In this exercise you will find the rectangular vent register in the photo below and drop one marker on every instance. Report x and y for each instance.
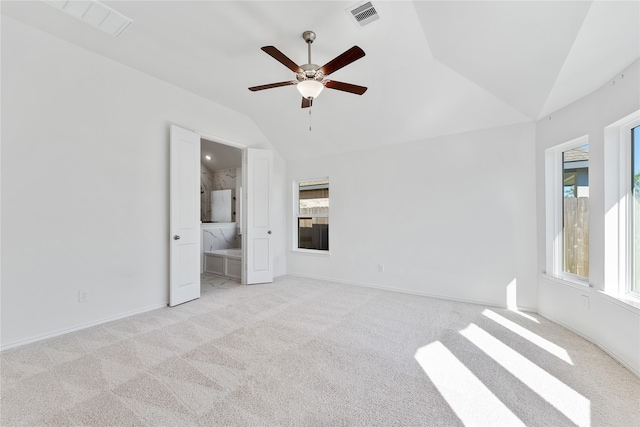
(363, 13)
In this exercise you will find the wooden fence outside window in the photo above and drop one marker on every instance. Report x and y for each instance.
(576, 236)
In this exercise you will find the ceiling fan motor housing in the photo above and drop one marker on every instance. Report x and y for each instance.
(310, 72)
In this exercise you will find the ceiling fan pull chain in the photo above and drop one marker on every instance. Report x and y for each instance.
(309, 119)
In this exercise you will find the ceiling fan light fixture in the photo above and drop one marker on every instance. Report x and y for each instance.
(310, 89)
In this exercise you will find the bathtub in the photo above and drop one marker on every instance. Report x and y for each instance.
(224, 262)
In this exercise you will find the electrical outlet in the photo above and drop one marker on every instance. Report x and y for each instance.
(83, 296)
(381, 268)
(585, 301)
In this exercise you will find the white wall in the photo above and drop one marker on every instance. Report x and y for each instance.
(96, 132)
(451, 216)
(611, 324)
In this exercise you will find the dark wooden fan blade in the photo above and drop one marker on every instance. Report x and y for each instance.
(340, 61)
(282, 58)
(272, 85)
(346, 87)
(306, 102)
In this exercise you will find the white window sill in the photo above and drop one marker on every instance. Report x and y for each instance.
(311, 252)
(572, 282)
(628, 302)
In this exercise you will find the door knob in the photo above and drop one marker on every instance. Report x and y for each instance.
(176, 237)
(269, 232)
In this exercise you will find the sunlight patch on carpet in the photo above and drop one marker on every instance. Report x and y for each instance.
(525, 315)
(533, 338)
(572, 404)
(456, 383)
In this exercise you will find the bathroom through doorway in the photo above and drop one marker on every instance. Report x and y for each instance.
(220, 209)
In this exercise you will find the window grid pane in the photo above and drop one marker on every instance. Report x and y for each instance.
(575, 215)
(313, 233)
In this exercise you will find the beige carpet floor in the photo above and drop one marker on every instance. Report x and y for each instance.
(301, 352)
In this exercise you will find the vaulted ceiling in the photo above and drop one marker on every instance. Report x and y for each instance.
(432, 67)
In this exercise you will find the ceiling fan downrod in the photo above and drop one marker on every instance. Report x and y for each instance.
(309, 37)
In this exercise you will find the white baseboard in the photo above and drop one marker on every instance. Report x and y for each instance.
(79, 327)
(411, 292)
(595, 342)
(84, 326)
(550, 318)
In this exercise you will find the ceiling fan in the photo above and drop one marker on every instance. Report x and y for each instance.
(310, 78)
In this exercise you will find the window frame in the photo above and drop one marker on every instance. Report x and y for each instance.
(633, 146)
(297, 216)
(618, 199)
(554, 197)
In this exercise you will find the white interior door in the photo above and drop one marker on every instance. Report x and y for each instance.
(257, 248)
(184, 221)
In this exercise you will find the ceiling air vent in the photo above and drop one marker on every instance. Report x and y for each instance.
(93, 13)
(363, 13)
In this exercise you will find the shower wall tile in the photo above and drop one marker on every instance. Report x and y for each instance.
(224, 179)
(206, 186)
(221, 201)
(216, 237)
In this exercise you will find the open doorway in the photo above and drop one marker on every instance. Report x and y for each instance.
(220, 209)
(252, 214)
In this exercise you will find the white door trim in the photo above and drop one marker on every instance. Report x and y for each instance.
(231, 143)
(220, 140)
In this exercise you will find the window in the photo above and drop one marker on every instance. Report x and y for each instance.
(575, 211)
(567, 206)
(622, 209)
(635, 210)
(313, 214)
